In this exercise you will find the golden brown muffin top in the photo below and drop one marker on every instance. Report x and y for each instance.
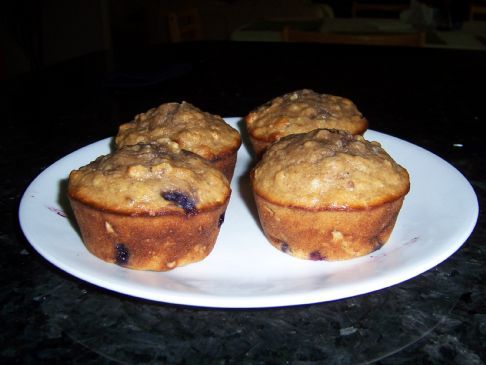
(302, 111)
(149, 179)
(328, 169)
(205, 134)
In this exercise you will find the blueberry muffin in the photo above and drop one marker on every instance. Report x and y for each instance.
(149, 206)
(205, 134)
(299, 112)
(328, 195)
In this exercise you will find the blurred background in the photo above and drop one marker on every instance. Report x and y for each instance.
(35, 33)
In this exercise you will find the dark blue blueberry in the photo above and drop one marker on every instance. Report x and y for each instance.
(221, 220)
(284, 246)
(181, 200)
(121, 254)
(316, 256)
(376, 244)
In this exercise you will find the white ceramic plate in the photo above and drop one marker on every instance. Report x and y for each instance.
(245, 271)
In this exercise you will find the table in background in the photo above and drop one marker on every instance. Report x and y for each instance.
(472, 34)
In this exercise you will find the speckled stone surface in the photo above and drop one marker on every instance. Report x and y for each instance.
(424, 96)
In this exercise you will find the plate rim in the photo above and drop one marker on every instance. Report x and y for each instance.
(241, 301)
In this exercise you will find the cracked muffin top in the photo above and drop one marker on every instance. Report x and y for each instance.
(302, 111)
(149, 179)
(328, 169)
(205, 134)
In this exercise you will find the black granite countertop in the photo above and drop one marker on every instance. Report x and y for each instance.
(432, 98)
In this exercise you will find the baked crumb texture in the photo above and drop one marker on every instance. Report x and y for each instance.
(328, 195)
(149, 206)
(205, 134)
(299, 112)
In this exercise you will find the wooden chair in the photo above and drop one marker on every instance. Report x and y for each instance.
(363, 8)
(412, 39)
(326, 11)
(185, 25)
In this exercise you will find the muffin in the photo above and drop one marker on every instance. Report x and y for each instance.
(149, 206)
(299, 112)
(328, 195)
(205, 134)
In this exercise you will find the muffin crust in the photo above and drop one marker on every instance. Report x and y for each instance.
(302, 111)
(134, 180)
(328, 169)
(205, 134)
